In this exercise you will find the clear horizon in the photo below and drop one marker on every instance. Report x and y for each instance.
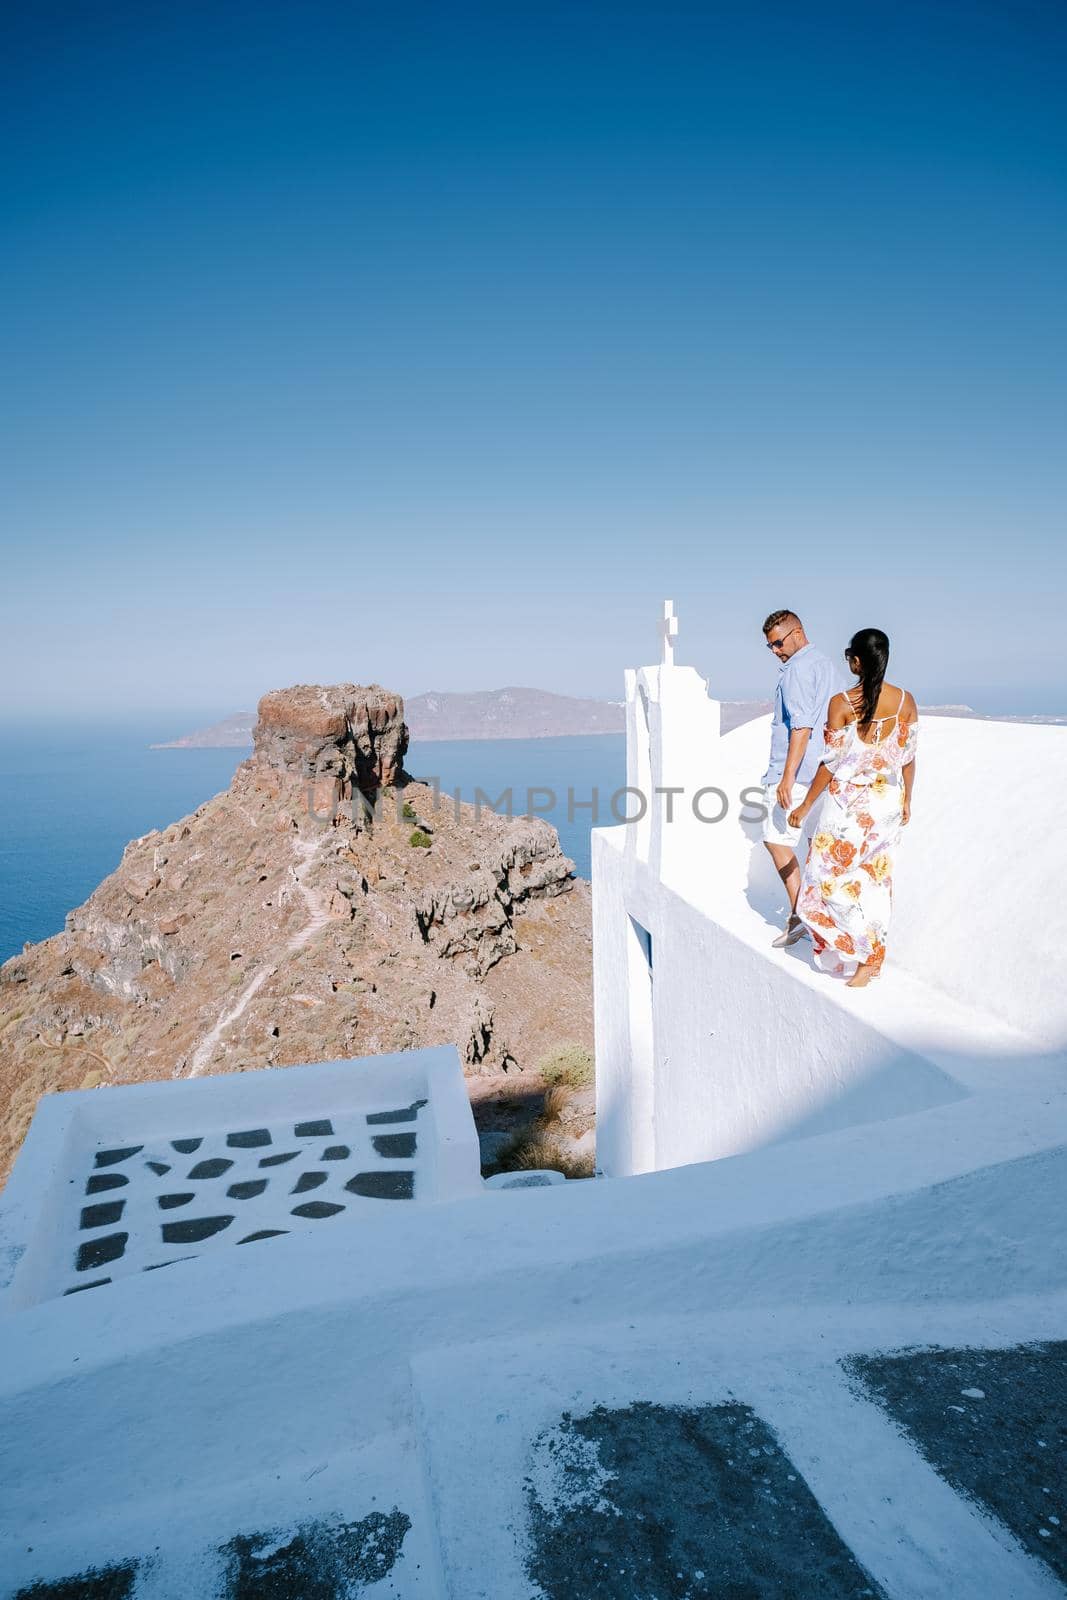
(438, 347)
(169, 722)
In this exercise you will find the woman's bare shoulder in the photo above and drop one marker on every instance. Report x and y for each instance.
(908, 708)
(839, 711)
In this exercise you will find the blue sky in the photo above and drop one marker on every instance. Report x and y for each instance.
(437, 344)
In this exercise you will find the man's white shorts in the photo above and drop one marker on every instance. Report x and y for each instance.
(776, 829)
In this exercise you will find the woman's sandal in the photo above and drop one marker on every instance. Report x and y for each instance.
(794, 929)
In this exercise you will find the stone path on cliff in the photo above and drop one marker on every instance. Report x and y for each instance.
(318, 916)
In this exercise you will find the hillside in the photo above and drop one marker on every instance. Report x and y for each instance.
(280, 923)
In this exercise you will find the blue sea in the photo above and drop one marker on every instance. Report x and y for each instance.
(71, 799)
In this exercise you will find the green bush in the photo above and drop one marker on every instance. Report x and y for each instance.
(407, 811)
(419, 839)
(571, 1064)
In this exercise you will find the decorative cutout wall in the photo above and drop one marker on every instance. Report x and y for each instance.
(113, 1183)
(141, 1207)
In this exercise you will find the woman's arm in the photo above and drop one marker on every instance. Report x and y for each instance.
(836, 717)
(911, 718)
(818, 784)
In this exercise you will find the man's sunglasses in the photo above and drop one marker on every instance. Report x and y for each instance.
(772, 644)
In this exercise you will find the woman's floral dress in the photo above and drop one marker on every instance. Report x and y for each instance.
(846, 896)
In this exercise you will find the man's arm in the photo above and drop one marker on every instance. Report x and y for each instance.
(798, 743)
(803, 701)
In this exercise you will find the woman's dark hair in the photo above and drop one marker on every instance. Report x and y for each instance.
(871, 648)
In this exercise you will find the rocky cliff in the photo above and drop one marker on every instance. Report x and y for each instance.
(322, 906)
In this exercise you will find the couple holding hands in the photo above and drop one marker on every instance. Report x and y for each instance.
(853, 750)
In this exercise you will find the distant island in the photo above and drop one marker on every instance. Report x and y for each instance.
(232, 733)
(510, 713)
(514, 713)
(1053, 719)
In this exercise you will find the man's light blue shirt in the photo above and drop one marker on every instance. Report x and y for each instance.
(807, 684)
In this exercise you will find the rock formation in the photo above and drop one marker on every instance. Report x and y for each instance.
(341, 738)
(324, 905)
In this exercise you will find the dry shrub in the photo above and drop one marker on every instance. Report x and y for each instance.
(571, 1064)
(555, 1103)
(535, 1151)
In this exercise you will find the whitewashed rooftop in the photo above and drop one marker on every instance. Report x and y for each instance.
(786, 1370)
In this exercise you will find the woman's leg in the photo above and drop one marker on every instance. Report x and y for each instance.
(877, 865)
(832, 888)
(863, 974)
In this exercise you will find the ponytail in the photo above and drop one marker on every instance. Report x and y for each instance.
(871, 648)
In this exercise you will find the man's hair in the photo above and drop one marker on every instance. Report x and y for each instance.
(777, 617)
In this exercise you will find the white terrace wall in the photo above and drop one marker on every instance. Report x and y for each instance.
(234, 1392)
(980, 886)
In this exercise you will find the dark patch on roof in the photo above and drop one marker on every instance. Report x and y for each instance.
(320, 1561)
(101, 1583)
(316, 1560)
(698, 1503)
(993, 1423)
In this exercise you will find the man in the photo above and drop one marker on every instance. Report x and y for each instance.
(805, 687)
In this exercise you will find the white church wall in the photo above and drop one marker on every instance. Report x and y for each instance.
(623, 889)
(672, 741)
(743, 1054)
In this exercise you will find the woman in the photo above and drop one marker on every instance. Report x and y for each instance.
(846, 894)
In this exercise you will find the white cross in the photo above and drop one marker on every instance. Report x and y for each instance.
(669, 630)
